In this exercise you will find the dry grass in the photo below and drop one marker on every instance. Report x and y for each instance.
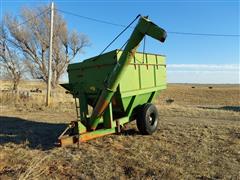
(25, 99)
(201, 95)
(198, 138)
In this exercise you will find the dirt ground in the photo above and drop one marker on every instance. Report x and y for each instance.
(198, 138)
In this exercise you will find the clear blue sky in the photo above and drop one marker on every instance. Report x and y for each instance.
(220, 17)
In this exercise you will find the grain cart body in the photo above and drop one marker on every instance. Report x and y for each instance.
(93, 83)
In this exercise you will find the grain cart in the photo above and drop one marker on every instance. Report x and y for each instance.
(119, 86)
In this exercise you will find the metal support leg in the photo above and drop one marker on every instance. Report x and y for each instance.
(108, 117)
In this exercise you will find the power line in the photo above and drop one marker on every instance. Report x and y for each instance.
(203, 34)
(92, 19)
(28, 20)
(119, 35)
(105, 22)
(170, 32)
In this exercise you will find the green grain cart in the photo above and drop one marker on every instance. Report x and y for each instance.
(115, 88)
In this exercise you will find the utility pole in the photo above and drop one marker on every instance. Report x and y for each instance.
(48, 100)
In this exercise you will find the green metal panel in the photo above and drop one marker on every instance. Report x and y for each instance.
(138, 100)
(147, 76)
(130, 80)
(140, 74)
(143, 75)
(92, 72)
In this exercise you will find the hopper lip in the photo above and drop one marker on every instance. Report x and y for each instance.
(115, 50)
(139, 52)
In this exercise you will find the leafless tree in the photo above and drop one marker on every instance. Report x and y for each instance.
(32, 39)
(10, 61)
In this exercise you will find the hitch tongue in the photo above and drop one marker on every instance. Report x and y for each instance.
(66, 138)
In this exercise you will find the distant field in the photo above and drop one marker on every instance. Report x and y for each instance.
(198, 138)
(206, 95)
(182, 94)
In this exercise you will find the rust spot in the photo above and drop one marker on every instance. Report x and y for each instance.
(70, 140)
(133, 52)
(92, 128)
(114, 102)
(100, 107)
(86, 137)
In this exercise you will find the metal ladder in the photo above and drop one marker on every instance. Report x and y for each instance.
(77, 105)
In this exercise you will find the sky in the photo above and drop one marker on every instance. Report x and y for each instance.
(190, 58)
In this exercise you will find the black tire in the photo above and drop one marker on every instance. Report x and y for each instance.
(147, 119)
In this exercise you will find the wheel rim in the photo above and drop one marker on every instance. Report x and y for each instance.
(152, 118)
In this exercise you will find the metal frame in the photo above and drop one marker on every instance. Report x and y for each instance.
(77, 130)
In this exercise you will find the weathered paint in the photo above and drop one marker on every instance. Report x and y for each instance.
(95, 134)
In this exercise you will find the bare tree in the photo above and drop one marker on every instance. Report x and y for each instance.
(10, 61)
(32, 39)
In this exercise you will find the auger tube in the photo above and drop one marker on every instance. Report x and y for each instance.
(144, 27)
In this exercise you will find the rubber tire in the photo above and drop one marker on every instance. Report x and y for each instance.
(147, 119)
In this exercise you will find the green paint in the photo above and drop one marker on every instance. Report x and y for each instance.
(122, 78)
(81, 127)
(109, 117)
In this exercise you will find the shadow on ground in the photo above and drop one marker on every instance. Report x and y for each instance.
(130, 132)
(226, 108)
(40, 135)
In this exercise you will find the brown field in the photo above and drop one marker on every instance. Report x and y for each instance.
(198, 138)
